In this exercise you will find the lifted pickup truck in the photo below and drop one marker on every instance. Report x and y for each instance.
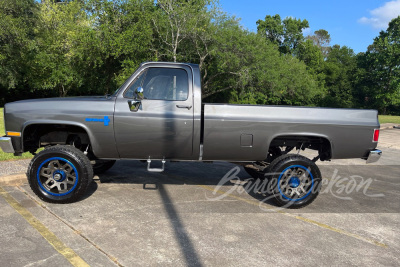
(158, 115)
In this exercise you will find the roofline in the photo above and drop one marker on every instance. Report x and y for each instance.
(169, 63)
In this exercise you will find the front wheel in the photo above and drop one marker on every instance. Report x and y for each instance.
(295, 180)
(60, 174)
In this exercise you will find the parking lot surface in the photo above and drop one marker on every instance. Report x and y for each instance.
(190, 216)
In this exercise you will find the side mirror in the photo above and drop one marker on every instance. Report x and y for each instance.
(134, 105)
(139, 93)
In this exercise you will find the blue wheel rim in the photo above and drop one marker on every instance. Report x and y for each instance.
(57, 176)
(294, 184)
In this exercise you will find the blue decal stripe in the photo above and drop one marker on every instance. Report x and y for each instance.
(106, 120)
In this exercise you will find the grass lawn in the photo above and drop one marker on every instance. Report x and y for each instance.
(389, 119)
(9, 156)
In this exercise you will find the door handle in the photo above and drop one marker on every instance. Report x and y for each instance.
(183, 106)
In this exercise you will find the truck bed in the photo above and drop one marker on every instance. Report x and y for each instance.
(244, 132)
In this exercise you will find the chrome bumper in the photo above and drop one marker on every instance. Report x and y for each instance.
(374, 156)
(6, 144)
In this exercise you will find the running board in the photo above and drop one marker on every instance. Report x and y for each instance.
(155, 169)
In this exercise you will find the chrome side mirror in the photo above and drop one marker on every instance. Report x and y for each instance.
(134, 105)
(139, 93)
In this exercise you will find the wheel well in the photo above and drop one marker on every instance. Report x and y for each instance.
(320, 144)
(41, 135)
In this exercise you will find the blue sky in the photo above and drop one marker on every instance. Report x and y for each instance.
(353, 23)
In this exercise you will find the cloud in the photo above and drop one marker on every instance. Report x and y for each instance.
(381, 16)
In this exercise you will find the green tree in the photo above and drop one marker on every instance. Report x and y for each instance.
(271, 28)
(56, 60)
(17, 21)
(89, 47)
(379, 77)
(322, 40)
(176, 21)
(287, 33)
(120, 39)
(248, 69)
(340, 68)
(311, 54)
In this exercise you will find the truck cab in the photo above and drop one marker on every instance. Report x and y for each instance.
(157, 114)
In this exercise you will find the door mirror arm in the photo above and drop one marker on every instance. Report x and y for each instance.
(139, 93)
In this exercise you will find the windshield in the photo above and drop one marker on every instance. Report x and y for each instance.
(116, 91)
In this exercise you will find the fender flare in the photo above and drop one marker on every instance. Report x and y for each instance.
(301, 134)
(81, 125)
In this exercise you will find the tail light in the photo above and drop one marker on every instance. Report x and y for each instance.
(376, 135)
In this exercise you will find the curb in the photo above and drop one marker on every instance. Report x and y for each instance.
(386, 126)
(13, 180)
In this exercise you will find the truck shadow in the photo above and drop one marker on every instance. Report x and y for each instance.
(224, 177)
(179, 173)
(217, 175)
(373, 187)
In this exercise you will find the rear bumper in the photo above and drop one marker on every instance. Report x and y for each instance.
(6, 145)
(374, 156)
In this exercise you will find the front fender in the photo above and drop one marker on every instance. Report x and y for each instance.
(102, 147)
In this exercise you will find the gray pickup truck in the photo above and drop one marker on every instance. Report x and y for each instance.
(158, 115)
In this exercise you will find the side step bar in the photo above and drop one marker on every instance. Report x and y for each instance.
(155, 169)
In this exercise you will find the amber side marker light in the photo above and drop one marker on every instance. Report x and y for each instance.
(14, 134)
(376, 135)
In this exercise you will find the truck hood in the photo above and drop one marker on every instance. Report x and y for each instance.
(54, 104)
(21, 112)
(62, 99)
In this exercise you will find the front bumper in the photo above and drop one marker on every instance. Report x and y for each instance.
(374, 156)
(6, 144)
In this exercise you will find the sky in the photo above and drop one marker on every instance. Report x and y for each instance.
(354, 23)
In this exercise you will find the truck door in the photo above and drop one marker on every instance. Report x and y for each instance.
(157, 122)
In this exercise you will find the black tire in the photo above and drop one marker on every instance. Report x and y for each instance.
(60, 174)
(102, 166)
(294, 190)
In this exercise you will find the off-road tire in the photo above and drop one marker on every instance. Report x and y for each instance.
(44, 174)
(279, 169)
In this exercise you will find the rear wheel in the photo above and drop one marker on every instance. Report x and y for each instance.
(295, 180)
(60, 174)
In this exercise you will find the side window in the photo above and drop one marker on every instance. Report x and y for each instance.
(166, 84)
(130, 92)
